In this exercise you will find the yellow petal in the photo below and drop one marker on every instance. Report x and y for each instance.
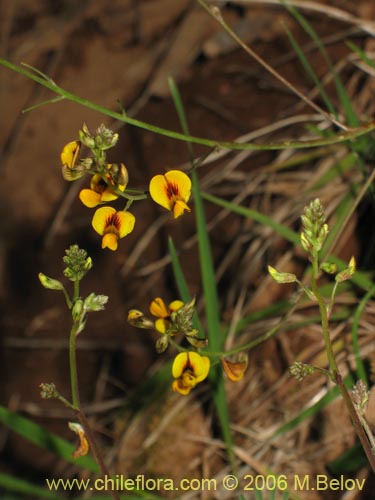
(89, 198)
(161, 325)
(176, 305)
(158, 191)
(179, 363)
(100, 218)
(158, 308)
(70, 152)
(109, 240)
(108, 195)
(179, 208)
(182, 181)
(178, 386)
(126, 222)
(200, 365)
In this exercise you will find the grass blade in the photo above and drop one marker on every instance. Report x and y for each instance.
(44, 439)
(214, 331)
(17, 485)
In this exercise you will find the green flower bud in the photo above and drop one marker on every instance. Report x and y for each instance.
(48, 391)
(347, 273)
(161, 344)
(328, 267)
(77, 310)
(301, 370)
(281, 277)
(95, 302)
(50, 283)
(86, 138)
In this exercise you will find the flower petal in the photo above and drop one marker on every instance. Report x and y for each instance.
(158, 308)
(179, 208)
(126, 221)
(90, 198)
(109, 240)
(200, 365)
(179, 364)
(176, 305)
(161, 325)
(69, 154)
(100, 218)
(183, 182)
(158, 191)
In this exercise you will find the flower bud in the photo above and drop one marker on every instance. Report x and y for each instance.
(138, 319)
(161, 344)
(95, 302)
(50, 283)
(48, 391)
(281, 277)
(86, 138)
(347, 273)
(300, 370)
(77, 310)
(328, 267)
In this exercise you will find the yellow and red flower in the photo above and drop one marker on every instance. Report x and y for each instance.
(163, 313)
(101, 191)
(171, 191)
(189, 368)
(112, 225)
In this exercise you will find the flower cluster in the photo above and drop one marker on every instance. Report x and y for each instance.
(189, 367)
(109, 181)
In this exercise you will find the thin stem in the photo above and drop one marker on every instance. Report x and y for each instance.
(322, 141)
(95, 449)
(215, 13)
(73, 365)
(336, 375)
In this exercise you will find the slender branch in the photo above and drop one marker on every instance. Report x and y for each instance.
(322, 141)
(73, 365)
(336, 375)
(216, 14)
(95, 449)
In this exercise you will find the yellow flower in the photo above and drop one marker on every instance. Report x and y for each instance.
(171, 191)
(112, 225)
(163, 313)
(69, 154)
(101, 191)
(189, 368)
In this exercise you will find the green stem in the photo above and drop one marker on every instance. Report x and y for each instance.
(336, 375)
(73, 365)
(323, 141)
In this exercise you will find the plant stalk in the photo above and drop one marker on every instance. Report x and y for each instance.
(336, 375)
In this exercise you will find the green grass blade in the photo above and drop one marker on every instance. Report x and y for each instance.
(182, 285)
(214, 332)
(343, 95)
(361, 372)
(309, 70)
(17, 485)
(44, 439)
(350, 461)
(249, 213)
(360, 279)
(330, 396)
(361, 54)
(178, 272)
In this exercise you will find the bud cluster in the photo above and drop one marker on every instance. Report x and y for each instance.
(77, 263)
(315, 229)
(300, 370)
